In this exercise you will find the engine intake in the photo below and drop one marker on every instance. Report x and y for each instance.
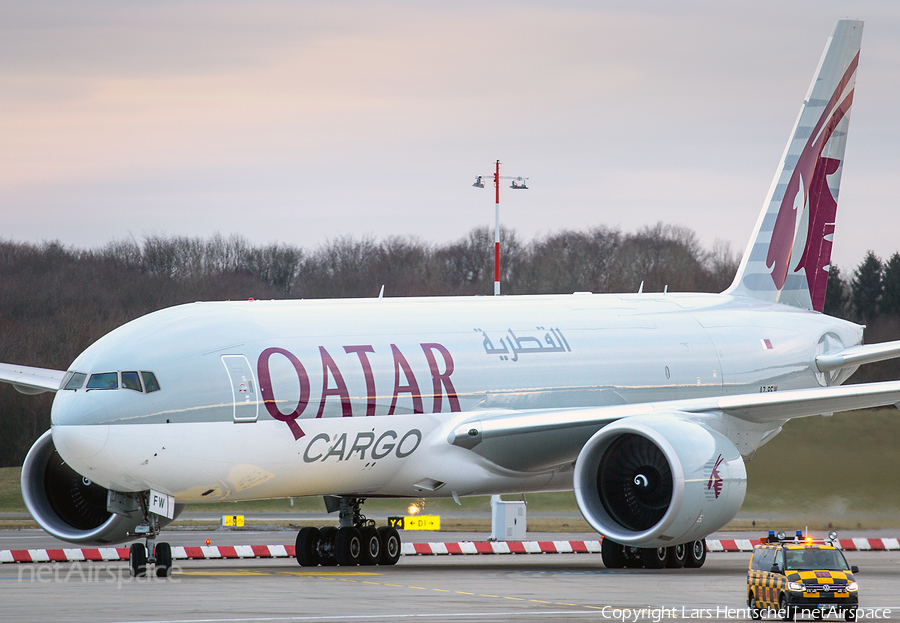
(653, 481)
(68, 505)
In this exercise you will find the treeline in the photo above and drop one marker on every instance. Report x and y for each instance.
(56, 300)
(870, 297)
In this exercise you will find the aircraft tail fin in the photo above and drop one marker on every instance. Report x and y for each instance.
(789, 254)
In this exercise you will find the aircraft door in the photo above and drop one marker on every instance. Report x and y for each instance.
(243, 387)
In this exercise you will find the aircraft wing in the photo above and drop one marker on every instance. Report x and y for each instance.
(28, 380)
(560, 433)
(858, 355)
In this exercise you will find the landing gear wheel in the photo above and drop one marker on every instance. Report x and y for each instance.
(371, 545)
(390, 545)
(696, 554)
(327, 559)
(654, 557)
(137, 560)
(348, 547)
(612, 553)
(787, 613)
(676, 556)
(163, 554)
(754, 608)
(309, 540)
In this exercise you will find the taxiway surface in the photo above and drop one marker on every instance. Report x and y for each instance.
(552, 587)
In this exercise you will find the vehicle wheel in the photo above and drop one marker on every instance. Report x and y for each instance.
(348, 546)
(390, 545)
(787, 612)
(612, 553)
(653, 557)
(371, 545)
(754, 608)
(676, 556)
(326, 549)
(696, 554)
(137, 560)
(309, 540)
(163, 554)
(850, 614)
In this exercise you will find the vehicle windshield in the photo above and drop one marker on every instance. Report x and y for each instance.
(812, 559)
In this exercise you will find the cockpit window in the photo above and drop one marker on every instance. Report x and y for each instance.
(104, 380)
(150, 383)
(74, 380)
(131, 380)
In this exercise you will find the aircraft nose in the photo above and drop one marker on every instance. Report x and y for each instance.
(79, 442)
(75, 434)
(74, 408)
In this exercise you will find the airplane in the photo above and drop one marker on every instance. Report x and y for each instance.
(647, 405)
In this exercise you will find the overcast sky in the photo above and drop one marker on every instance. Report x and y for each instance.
(304, 121)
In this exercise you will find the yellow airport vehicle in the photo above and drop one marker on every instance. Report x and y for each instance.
(801, 576)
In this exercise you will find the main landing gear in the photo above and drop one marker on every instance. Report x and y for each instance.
(157, 554)
(356, 542)
(617, 556)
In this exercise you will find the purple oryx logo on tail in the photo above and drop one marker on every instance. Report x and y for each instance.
(808, 186)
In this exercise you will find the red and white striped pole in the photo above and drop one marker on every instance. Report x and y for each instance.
(497, 232)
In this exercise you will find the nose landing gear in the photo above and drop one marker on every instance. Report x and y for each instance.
(157, 554)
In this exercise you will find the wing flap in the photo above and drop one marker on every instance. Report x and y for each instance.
(28, 380)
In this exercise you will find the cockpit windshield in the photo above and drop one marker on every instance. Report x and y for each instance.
(139, 381)
(150, 383)
(104, 380)
(131, 380)
(74, 380)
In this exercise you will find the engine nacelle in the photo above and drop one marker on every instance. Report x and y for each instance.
(654, 481)
(70, 506)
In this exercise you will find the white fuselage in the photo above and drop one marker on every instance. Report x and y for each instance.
(264, 399)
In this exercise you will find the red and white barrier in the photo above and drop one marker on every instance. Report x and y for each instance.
(407, 549)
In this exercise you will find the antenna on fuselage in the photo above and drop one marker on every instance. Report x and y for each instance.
(381, 294)
(641, 288)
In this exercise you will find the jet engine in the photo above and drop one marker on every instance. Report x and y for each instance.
(657, 481)
(70, 506)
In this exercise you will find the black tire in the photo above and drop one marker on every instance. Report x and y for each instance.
(850, 614)
(754, 608)
(696, 554)
(633, 558)
(676, 556)
(137, 560)
(326, 556)
(654, 557)
(390, 545)
(371, 545)
(612, 553)
(787, 612)
(306, 548)
(163, 554)
(348, 546)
